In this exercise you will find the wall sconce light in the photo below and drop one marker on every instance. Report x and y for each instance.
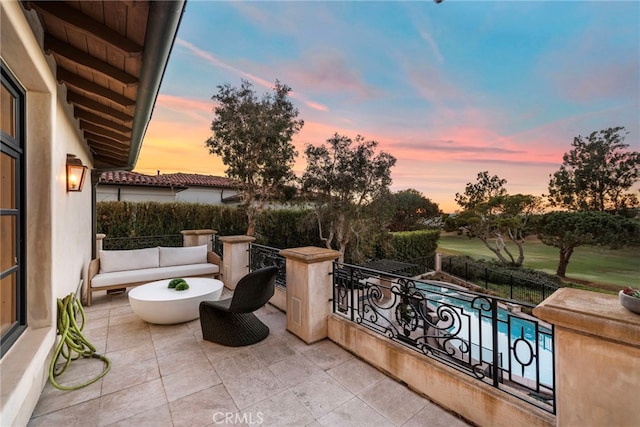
(76, 172)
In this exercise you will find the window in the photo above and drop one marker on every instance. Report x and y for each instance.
(12, 232)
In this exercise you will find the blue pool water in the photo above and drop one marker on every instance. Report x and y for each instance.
(510, 329)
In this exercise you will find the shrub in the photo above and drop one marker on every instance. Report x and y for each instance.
(481, 271)
(411, 245)
(128, 219)
(280, 228)
(287, 228)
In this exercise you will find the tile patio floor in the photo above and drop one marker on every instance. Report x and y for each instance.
(169, 376)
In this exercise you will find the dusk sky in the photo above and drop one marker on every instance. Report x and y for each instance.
(449, 89)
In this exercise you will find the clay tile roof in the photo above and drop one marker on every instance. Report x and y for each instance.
(176, 180)
(192, 179)
(134, 178)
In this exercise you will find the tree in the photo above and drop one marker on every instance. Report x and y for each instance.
(495, 217)
(484, 189)
(344, 178)
(411, 210)
(568, 230)
(501, 219)
(253, 137)
(596, 173)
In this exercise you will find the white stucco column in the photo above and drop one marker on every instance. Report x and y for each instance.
(198, 238)
(309, 290)
(235, 262)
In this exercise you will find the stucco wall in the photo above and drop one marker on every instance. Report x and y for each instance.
(109, 193)
(59, 237)
(206, 195)
(212, 196)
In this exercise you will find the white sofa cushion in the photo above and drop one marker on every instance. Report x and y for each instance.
(152, 274)
(132, 259)
(183, 255)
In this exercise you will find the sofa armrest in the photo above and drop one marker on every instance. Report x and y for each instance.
(94, 268)
(214, 258)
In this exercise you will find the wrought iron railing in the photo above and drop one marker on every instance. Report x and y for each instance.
(140, 242)
(483, 336)
(217, 245)
(263, 256)
(509, 285)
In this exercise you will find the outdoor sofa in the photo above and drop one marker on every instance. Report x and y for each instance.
(126, 268)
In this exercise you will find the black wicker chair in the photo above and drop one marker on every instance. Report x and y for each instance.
(231, 322)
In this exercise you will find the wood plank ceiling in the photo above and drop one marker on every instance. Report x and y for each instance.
(98, 50)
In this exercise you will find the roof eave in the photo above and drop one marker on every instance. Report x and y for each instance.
(162, 29)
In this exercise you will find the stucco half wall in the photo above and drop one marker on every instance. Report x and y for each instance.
(482, 404)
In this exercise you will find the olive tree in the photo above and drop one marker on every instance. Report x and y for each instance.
(344, 179)
(253, 136)
(495, 217)
(501, 220)
(569, 230)
(596, 173)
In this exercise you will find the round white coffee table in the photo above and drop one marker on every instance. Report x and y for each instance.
(156, 303)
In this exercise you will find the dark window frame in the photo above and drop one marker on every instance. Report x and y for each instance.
(15, 147)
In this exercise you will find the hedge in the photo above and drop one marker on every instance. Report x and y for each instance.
(129, 219)
(279, 228)
(410, 245)
(492, 272)
(287, 228)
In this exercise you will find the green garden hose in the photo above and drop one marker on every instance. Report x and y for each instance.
(72, 344)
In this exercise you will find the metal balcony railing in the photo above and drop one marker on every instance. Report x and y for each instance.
(486, 337)
(263, 256)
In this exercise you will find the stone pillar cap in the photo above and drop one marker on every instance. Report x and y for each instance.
(591, 313)
(310, 254)
(236, 239)
(197, 232)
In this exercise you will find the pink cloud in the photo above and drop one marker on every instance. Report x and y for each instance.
(327, 71)
(209, 57)
(315, 105)
(551, 140)
(180, 103)
(431, 83)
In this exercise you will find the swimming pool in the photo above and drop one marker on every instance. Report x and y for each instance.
(525, 348)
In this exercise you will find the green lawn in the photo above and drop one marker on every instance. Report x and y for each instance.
(589, 263)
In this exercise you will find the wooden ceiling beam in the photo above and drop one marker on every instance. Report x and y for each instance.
(89, 104)
(100, 148)
(87, 26)
(99, 130)
(104, 161)
(105, 140)
(58, 47)
(90, 117)
(110, 156)
(71, 79)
